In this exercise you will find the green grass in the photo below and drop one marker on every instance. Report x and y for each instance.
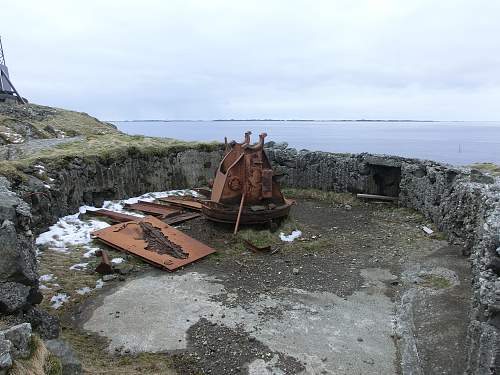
(60, 121)
(107, 148)
(491, 168)
(324, 196)
(92, 352)
(435, 282)
(40, 361)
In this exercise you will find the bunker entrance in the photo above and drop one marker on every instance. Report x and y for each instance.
(384, 180)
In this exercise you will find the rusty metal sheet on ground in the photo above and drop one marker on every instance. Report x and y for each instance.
(189, 203)
(113, 215)
(130, 237)
(154, 208)
(256, 249)
(177, 219)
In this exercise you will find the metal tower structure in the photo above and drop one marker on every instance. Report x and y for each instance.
(7, 89)
(2, 56)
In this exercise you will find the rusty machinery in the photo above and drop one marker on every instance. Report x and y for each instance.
(245, 189)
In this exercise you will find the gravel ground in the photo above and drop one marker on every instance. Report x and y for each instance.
(323, 304)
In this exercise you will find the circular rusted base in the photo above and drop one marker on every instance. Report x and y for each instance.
(229, 214)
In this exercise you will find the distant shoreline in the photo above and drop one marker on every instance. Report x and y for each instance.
(291, 120)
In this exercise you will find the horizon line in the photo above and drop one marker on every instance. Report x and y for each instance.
(294, 120)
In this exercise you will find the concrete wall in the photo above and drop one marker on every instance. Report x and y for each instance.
(462, 203)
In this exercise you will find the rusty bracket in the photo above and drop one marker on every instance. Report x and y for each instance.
(105, 267)
(256, 249)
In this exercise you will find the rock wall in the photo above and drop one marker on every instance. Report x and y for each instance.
(462, 203)
(53, 193)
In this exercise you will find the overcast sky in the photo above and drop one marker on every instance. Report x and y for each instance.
(208, 59)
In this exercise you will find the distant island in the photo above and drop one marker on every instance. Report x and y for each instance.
(284, 120)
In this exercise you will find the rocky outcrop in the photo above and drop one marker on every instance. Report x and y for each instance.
(15, 343)
(18, 274)
(59, 192)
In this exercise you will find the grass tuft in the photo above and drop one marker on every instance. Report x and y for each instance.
(490, 168)
(324, 196)
(435, 282)
(40, 361)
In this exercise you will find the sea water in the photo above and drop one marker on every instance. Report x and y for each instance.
(459, 143)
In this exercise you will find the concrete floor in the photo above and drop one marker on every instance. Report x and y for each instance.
(326, 333)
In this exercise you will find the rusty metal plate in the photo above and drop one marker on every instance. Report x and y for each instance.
(154, 208)
(177, 219)
(105, 267)
(267, 183)
(128, 237)
(113, 215)
(189, 203)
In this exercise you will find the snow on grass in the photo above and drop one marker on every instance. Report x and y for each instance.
(58, 300)
(83, 290)
(99, 284)
(68, 231)
(48, 277)
(13, 137)
(91, 252)
(78, 267)
(63, 250)
(117, 260)
(292, 236)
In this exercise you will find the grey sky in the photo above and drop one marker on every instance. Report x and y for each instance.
(258, 59)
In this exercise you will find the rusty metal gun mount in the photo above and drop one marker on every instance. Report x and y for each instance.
(245, 189)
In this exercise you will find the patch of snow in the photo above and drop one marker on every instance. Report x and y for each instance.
(39, 166)
(63, 250)
(83, 290)
(70, 230)
(91, 252)
(99, 284)
(117, 260)
(427, 230)
(292, 236)
(46, 186)
(78, 267)
(48, 277)
(58, 300)
(43, 286)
